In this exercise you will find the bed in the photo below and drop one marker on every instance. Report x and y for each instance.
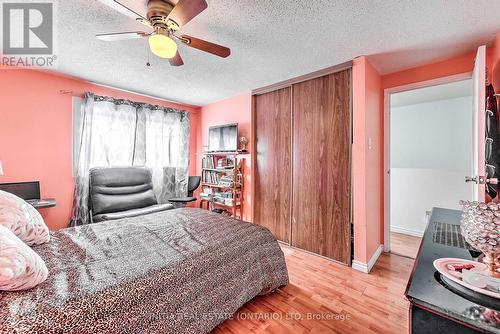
(178, 271)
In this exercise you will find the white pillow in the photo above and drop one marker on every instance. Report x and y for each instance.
(20, 267)
(22, 219)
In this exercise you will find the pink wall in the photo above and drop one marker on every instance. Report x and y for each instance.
(237, 109)
(375, 159)
(367, 160)
(36, 132)
(457, 65)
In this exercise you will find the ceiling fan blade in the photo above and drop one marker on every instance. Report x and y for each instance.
(186, 10)
(177, 60)
(121, 36)
(209, 47)
(133, 9)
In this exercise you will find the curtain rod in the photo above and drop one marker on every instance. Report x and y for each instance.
(72, 93)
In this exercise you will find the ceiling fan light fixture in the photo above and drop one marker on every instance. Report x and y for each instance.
(165, 18)
(162, 46)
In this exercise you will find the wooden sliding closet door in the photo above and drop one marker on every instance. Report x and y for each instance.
(272, 192)
(321, 165)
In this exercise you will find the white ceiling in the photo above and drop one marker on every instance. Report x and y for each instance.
(270, 41)
(434, 93)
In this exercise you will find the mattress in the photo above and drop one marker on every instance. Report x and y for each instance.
(178, 271)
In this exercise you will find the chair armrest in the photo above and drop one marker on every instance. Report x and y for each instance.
(132, 213)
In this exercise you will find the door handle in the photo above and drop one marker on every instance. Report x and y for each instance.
(470, 179)
(475, 179)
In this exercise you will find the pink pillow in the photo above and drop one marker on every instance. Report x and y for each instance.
(20, 267)
(22, 219)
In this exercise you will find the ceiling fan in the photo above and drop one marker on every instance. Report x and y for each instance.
(165, 19)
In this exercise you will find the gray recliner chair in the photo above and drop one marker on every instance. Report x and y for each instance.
(122, 192)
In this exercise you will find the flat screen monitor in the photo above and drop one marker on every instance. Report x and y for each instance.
(223, 138)
(25, 190)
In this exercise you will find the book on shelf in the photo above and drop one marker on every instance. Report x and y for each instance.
(225, 201)
(216, 178)
(214, 162)
(226, 181)
(208, 161)
(225, 198)
(206, 196)
(225, 168)
(207, 191)
(224, 194)
(211, 177)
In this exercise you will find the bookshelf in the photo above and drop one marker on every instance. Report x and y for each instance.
(222, 181)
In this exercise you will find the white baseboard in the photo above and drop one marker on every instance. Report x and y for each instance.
(409, 231)
(359, 266)
(367, 267)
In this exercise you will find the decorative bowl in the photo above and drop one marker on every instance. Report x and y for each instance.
(480, 226)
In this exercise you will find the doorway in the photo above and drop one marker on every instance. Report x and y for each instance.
(429, 145)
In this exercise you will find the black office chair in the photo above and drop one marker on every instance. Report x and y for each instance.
(193, 184)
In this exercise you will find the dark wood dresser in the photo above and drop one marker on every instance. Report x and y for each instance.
(435, 306)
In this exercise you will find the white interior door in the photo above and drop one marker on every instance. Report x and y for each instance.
(479, 115)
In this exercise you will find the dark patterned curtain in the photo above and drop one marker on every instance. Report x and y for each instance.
(126, 133)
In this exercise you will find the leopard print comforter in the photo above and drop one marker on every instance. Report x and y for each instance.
(178, 271)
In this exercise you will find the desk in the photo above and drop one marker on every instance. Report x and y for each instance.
(42, 203)
(435, 307)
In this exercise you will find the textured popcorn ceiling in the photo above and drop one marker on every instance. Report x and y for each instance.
(270, 41)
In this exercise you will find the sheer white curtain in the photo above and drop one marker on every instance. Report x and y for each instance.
(125, 133)
(163, 147)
